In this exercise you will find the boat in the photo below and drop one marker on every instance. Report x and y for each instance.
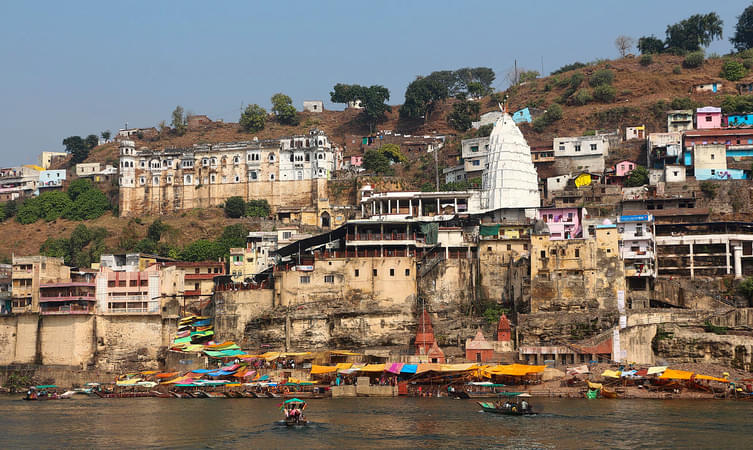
(293, 410)
(42, 392)
(77, 393)
(511, 407)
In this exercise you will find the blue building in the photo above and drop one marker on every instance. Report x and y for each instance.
(523, 115)
(50, 179)
(739, 120)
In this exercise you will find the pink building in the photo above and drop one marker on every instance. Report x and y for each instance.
(708, 117)
(563, 223)
(356, 161)
(623, 168)
(137, 292)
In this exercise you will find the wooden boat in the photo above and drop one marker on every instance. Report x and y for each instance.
(514, 409)
(293, 410)
(606, 393)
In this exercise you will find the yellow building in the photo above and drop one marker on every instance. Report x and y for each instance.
(28, 272)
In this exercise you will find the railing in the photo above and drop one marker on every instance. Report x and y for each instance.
(67, 309)
(202, 276)
(61, 298)
(266, 284)
(192, 292)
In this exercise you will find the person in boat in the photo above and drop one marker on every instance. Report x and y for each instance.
(524, 405)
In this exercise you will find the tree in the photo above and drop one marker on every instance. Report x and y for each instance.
(106, 135)
(91, 141)
(733, 70)
(601, 77)
(745, 288)
(78, 187)
(637, 177)
(422, 97)
(650, 44)
(202, 250)
(30, 211)
(253, 118)
(743, 38)
(89, 205)
(392, 151)
(235, 207)
(283, 109)
(694, 59)
(53, 205)
(697, 31)
(156, 230)
(528, 75)
(179, 121)
(77, 147)
(375, 161)
(258, 208)
(467, 75)
(233, 236)
(373, 100)
(605, 93)
(623, 44)
(463, 114)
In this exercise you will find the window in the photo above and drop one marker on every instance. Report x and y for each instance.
(476, 162)
(374, 272)
(305, 279)
(562, 147)
(271, 157)
(329, 278)
(187, 179)
(708, 118)
(577, 147)
(392, 272)
(712, 156)
(593, 147)
(488, 249)
(142, 180)
(577, 253)
(474, 148)
(212, 178)
(509, 247)
(357, 272)
(407, 272)
(253, 176)
(236, 159)
(155, 181)
(271, 177)
(525, 246)
(543, 254)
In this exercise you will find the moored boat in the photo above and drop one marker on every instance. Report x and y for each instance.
(512, 407)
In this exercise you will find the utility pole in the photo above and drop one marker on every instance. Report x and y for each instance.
(516, 72)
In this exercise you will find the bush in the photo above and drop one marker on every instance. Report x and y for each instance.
(485, 130)
(235, 207)
(258, 208)
(683, 103)
(637, 177)
(646, 60)
(576, 80)
(552, 114)
(89, 205)
(677, 70)
(709, 189)
(601, 77)
(693, 60)
(583, 97)
(748, 63)
(375, 161)
(569, 67)
(733, 70)
(745, 288)
(30, 211)
(605, 93)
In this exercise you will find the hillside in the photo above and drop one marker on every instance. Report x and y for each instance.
(640, 91)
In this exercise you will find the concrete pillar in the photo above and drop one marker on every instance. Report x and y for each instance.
(692, 262)
(726, 247)
(437, 206)
(738, 249)
(456, 205)
(373, 208)
(410, 206)
(389, 206)
(397, 208)
(363, 210)
(420, 208)
(381, 208)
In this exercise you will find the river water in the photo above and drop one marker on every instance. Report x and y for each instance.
(372, 423)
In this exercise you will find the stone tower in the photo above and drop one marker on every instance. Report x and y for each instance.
(509, 179)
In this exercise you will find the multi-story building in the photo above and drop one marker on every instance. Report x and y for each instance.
(50, 180)
(290, 172)
(46, 159)
(664, 148)
(5, 289)
(75, 294)
(198, 280)
(581, 153)
(563, 223)
(708, 117)
(129, 262)
(679, 120)
(18, 182)
(474, 153)
(576, 274)
(256, 257)
(638, 251)
(138, 292)
(28, 273)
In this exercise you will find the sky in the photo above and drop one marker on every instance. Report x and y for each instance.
(78, 68)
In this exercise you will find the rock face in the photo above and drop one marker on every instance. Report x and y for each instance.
(510, 179)
(675, 344)
(558, 327)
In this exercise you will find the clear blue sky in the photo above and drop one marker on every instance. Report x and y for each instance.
(75, 68)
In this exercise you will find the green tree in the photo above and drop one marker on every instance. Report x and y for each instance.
(650, 44)
(344, 93)
(583, 97)
(91, 141)
(235, 207)
(179, 121)
(697, 31)
(375, 161)
(733, 70)
(156, 230)
(373, 100)
(58, 248)
(253, 118)
(637, 177)
(202, 250)
(694, 59)
(258, 208)
(78, 187)
(745, 288)
(465, 76)
(78, 149)
(392, 151)
(605, 93)
(106, 135)
(601, 77)
(30, 211)
(422, 97)
(233, 236)
(646, 60)
(485, 130)
(283, 109)
(54, 204)
(463, 114)
(89, 205)
(743, 38)
(528, 75)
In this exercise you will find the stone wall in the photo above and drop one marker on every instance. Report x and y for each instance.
(67, 340)
(8, 333)
(234, 309)
(561, 327)
(132, 342)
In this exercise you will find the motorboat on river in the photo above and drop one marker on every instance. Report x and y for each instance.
(42, 392)
(293, 410)
(516, 406)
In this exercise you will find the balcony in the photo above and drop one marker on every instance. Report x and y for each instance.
(202, 276)
(67, 298)
(66, 309)
(192, 293)
(644, 254)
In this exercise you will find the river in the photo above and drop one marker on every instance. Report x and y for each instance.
(372, 423)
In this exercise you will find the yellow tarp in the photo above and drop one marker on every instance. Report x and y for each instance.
(270, 356)
(583, 179)
(710, 378)
(322, 369)
(149, 372)
(595, 385)
(372, 368)
(672, 374)
(344, 353)
(131, 382)
(656, 369)
(343, 366)
(428, 367)
(517, 370)
(297, 381)
(457, 367)
(611, 373)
